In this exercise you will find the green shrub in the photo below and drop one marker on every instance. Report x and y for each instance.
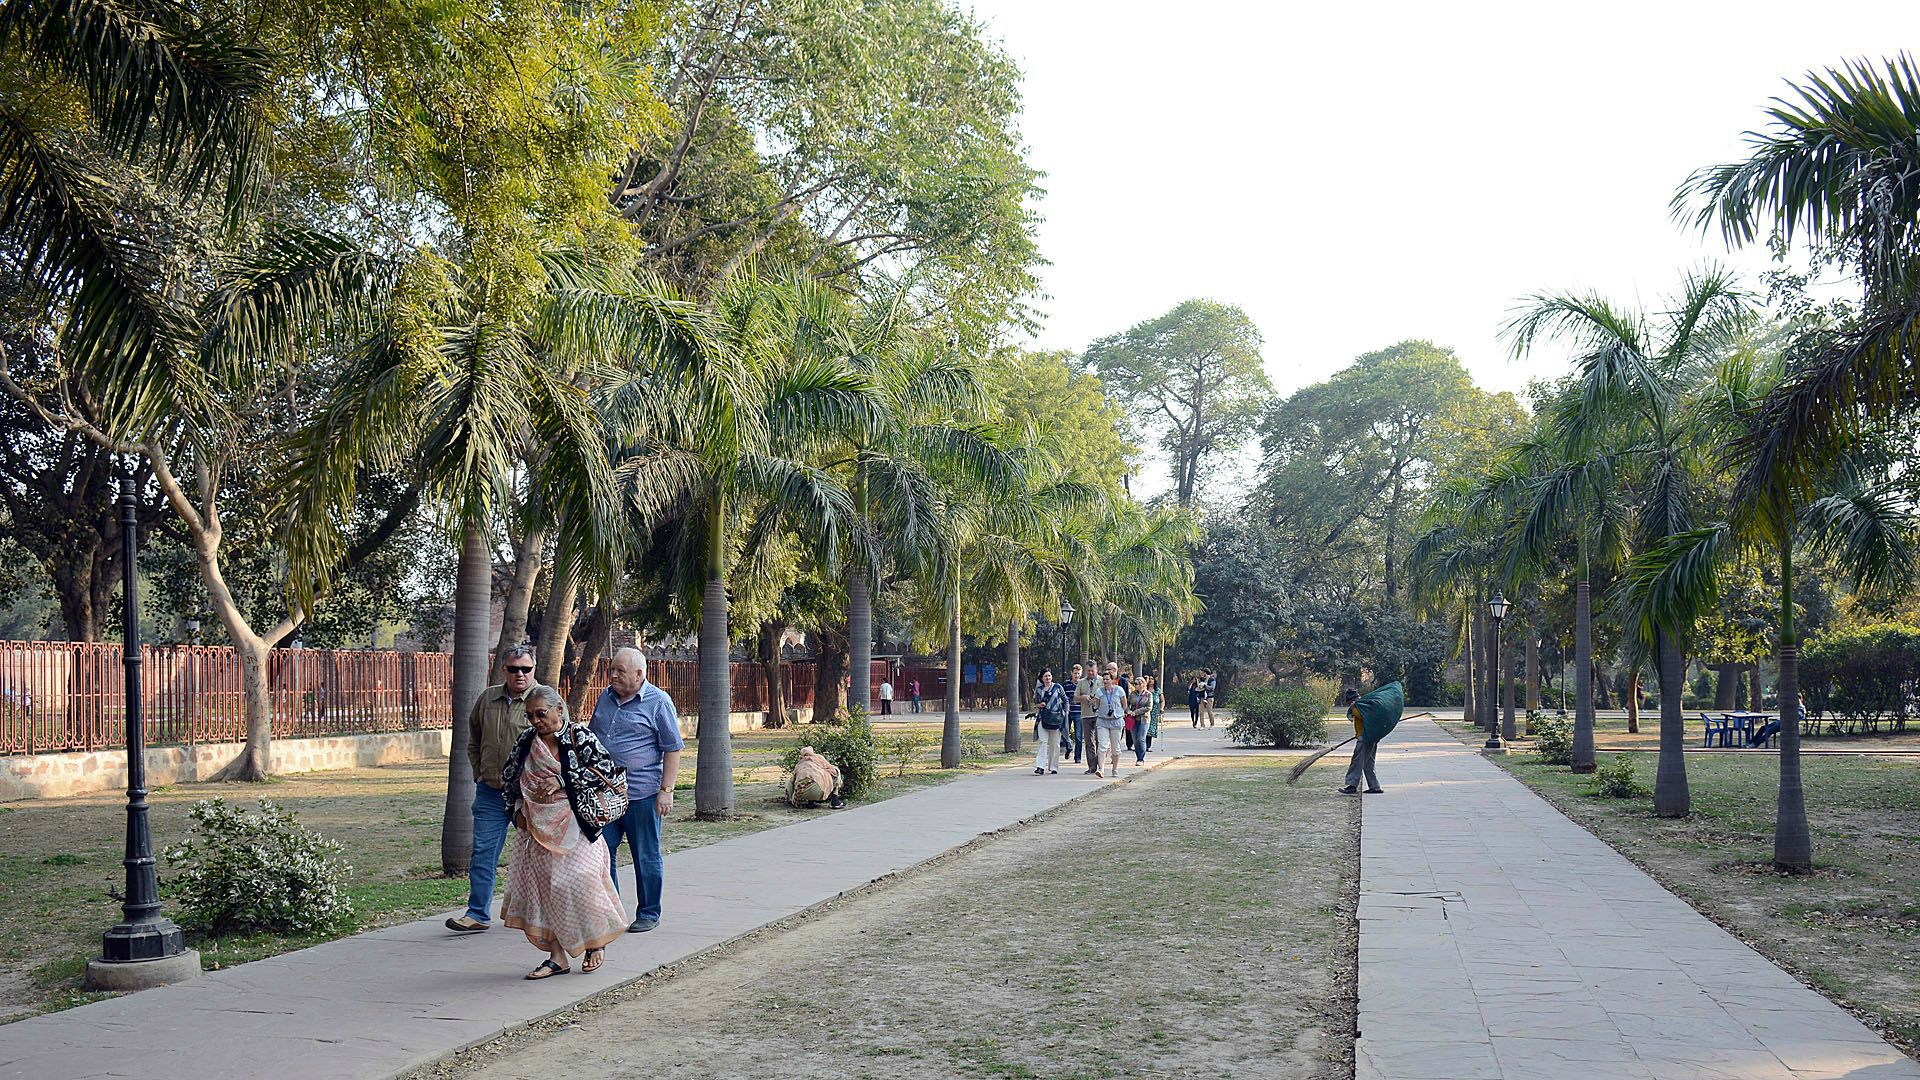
(244, 870)
(1861, 674)
(1616, 779)
(1553, 739)
(903, 748)
(972, 746)
(1282, 716)
(851, 746)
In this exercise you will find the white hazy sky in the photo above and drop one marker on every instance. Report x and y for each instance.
(1355, 174)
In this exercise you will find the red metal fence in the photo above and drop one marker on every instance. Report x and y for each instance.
(60, 695)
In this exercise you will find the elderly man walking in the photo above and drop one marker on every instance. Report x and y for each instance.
(639, 726)
(494, 726)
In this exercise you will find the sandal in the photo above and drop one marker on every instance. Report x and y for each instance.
(593, 959)
(547, 970)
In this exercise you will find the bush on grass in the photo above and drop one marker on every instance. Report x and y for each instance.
(972, 747)
(1616, 779)
(850, 746)
(903, 748)
(1862, 674)
(246, 870)
(1553, 739)
(1281, 716)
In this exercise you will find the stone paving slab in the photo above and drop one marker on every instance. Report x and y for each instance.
(1499, 939)
(385, 1002)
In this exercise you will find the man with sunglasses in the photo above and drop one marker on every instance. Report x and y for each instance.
(493, 727)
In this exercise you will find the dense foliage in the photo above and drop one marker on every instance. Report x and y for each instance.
(246, 870)
(1861, 675)
(1282, 716)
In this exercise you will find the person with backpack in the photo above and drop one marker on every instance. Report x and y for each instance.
(1050, 713)
(1070, 735)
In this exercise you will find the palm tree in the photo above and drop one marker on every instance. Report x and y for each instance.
(1583, 490)
(101, 91)
(1629, 377)
(739, 444)
(1837, 167)
(446, 387)
(1861, 523)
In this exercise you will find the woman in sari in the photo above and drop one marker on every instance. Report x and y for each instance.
(558, 891)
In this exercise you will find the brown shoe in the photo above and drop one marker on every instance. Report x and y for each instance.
(464, 925)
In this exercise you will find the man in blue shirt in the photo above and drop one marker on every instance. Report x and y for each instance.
(637, 722)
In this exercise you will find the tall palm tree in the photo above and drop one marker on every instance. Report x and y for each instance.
(447, 386)
(740, 443)
(1584, 491)
(1631, 371)
(1861, 523)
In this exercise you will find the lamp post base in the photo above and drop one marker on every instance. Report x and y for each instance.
(1494, 743)
(130, 975)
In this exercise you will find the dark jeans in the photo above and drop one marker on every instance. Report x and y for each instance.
(1194, 709)
(1140, 743)
(1071, 737)
(640, 828)
(489, 838)
(886, 706)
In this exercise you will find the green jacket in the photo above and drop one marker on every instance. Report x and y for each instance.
(492, 729)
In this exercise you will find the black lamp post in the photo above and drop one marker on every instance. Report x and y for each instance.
(1496, 607)
(146, 948)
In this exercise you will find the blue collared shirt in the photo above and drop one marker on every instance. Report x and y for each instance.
(639, 732)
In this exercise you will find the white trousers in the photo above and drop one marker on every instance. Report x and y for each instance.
(1046, 748)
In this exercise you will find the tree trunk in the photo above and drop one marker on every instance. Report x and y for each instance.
(556, 624)
(859, 643)
(472, 609)
(713, 765)
(1489, 677)
(1533, 669)
(1470, 701)
(1792, 839)
(1670, 796)
(519, 598)
(1602, 687)
(1012, 740)
(860, 616)
(1633, 702)
(1759, 700)
(771, 632)
(950, 730)
(1507, 729)
(829, 658)
(1726, 683)
(1582, 759)
(592, 636)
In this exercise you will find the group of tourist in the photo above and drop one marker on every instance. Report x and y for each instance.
(1098, 715)
(557, 781)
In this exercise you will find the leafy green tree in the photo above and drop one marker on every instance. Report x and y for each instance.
(1194, 375)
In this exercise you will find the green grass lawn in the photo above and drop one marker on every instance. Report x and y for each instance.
(59, 857)
(1852, 929)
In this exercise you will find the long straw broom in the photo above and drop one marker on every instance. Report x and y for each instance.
(1306, 763)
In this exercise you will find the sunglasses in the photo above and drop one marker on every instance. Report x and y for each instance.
(521, 670)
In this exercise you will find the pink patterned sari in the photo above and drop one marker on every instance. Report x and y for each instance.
(559, 890)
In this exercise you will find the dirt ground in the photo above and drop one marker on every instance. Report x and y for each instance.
(1197, 922)
(1851, 930)
(59, 857)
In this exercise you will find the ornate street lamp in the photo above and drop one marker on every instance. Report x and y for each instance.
(146, 949)
(1066, 620)
(1496, 607)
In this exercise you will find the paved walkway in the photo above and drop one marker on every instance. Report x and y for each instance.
(1500, 939)
(388, 1001)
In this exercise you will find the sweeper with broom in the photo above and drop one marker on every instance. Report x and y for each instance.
(1374, 717)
